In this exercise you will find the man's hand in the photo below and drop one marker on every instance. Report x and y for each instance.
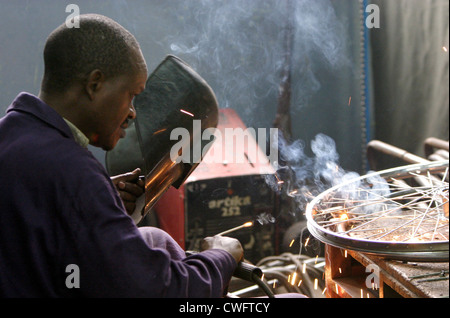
(228, 244)
(130, 188)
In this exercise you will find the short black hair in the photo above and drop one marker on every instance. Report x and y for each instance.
(71, 54)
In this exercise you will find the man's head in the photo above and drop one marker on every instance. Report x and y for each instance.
(91, 75)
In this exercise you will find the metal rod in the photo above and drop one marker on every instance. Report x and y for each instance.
(432, 279)
(247, 224)
(441, 273)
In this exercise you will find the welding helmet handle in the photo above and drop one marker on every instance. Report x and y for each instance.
(243, 271)
(252, 274)
(247, 271)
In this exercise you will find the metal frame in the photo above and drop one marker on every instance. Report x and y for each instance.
(429, 251)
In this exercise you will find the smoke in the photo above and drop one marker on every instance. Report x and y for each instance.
(265, 218)
(233, 44)
(239, 47)
(302, 177)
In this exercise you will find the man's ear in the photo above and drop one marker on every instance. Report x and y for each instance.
(94, 83)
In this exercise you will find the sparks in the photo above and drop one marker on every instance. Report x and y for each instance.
(445, 49)
(349, 100)
(279, 180)
(306, 242)
(294, 276)
(292, 242)
(159, 131)
(187, 113)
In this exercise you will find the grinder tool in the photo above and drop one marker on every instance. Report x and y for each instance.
(175, 97)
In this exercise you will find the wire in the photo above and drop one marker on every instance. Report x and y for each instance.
(310, 271)
(290, 273)
(258, 281)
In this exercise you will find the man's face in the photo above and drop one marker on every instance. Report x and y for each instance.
(114, 109)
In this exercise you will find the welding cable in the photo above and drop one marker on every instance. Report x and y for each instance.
(280, 267)
(253, 274)
(282, 275)
(308, 269)
(249, 273)
(282, 279)
(261, 284)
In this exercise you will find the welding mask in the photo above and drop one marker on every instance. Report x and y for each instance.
(165, 139)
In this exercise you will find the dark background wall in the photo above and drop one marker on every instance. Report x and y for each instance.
(410, 73)
(238, 47)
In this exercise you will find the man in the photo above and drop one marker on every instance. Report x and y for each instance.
(60, 211)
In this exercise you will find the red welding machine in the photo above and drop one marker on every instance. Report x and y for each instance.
(222, 194)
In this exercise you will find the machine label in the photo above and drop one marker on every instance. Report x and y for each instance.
(230, 206)
(230, 202)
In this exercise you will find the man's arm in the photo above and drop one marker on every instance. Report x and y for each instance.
(115, 260)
